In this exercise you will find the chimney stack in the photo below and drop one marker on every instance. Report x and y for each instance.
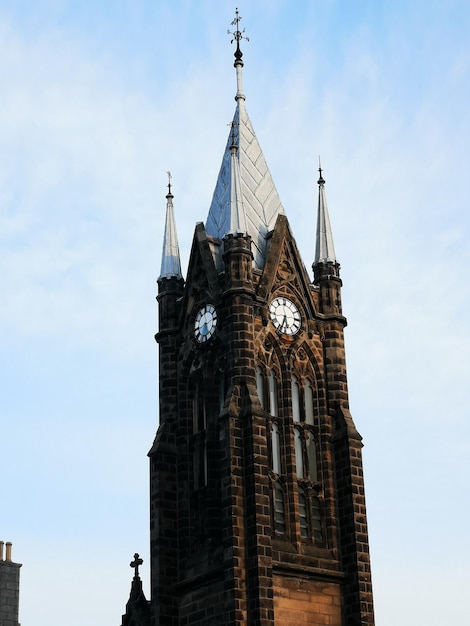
(9, 587)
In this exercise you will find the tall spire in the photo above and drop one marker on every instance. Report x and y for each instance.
(261, 203)
(171, 266)
(325, 250)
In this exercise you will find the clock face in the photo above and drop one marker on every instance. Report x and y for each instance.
(285, 316)
(205, 323)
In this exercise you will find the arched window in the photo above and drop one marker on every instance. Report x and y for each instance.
(273, 409)
(308, 399)
(276, 449)
(299, 460)
(260, 386)
(295, 399)
(312, 458)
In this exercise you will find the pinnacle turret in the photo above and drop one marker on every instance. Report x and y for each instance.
(171, 265)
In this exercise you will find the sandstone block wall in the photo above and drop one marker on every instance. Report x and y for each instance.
(298, 601)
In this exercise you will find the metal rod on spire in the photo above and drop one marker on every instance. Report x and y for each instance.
(238, 64)
(169, 183)
(321, 180)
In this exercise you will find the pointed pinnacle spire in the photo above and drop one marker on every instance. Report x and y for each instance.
(325, 250)
(237, 210)
(171, 265)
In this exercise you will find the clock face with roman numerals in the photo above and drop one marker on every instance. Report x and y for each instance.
(205, 323)
(285, 316)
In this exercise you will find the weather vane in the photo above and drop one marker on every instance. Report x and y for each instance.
(169, 182)
(237, 34)
(320, 180)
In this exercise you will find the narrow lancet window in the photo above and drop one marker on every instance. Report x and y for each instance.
(295, 399)
(312, 458)
(308, 394)
(276, 449)
(273, 410)
(299, 461)
(260, 386)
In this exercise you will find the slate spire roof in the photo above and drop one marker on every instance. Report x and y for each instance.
(253, 186)
(324, 250)
(171, 265)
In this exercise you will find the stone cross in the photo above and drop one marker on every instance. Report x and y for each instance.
(135, 564)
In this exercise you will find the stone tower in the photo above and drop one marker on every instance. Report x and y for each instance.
(9, 587)
(257, 509)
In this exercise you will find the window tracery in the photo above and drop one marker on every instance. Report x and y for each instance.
(304, 411)
(302, 434)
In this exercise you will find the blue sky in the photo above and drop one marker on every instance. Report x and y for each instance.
(98, 100)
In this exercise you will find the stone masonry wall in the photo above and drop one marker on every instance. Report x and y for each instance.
(9, 588)
(298, 602)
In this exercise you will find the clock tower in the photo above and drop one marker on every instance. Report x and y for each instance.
(257, 509)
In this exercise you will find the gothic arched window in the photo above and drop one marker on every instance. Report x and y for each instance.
(275, 449)
(295, 399)
(273, 407)
(299, 453)
(308, 400)
(261, 386)
(312, 458)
